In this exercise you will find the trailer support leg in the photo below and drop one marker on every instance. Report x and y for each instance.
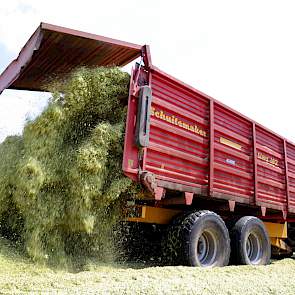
(159, 193)
(231, 205)
(263, 211)
(188, 198)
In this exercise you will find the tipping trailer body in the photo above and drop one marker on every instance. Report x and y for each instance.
(199, 146)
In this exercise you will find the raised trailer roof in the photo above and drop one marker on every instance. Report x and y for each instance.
(54, 50)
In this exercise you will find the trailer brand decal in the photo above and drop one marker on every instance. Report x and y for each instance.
(175, 121)
(268, 159)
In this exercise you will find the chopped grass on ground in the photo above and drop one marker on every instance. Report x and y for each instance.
(19, 275)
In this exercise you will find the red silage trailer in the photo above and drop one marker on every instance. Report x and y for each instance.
(224, 183)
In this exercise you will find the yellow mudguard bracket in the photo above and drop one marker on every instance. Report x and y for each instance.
(276, 230)
(150, 214)
(278, 233)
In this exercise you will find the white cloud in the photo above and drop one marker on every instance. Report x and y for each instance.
(241, 52)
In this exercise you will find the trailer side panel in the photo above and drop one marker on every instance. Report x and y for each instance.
(198, 145)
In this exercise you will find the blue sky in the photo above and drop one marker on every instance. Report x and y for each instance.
(240, 52)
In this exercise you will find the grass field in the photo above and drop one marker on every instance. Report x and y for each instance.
(18, 275)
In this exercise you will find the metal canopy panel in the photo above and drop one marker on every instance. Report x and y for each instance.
(54, 50)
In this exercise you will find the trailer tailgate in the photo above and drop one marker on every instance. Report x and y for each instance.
(54, 50)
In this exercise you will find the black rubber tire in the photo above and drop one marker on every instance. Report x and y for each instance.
(250, 243)
(199, 239)
(171, 242)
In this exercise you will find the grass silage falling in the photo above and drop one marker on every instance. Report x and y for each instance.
(61, 182)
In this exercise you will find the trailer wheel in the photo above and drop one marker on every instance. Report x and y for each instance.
(250, 242)
(201, 239)
(171, 241)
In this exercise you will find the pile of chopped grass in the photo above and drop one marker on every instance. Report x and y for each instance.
(61, 182)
